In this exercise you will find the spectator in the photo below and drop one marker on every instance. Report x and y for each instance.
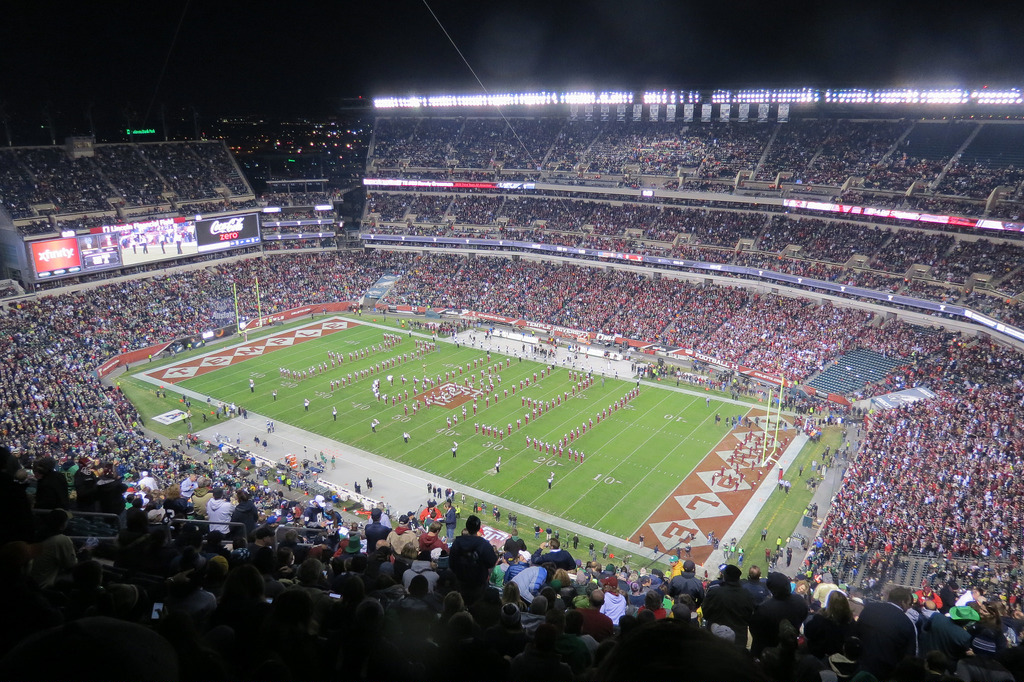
(887, 633)
(54, 555)
(755, 586)
(827, 630)
(472, 558)
(687, 583)
(595, 623)
(557, 556)
(540, 660)
(201, 497)
(728, 604)
(614, 603)
(783, 605)
(51, 486)
(431, 540)
(245, 512)
(220, 512)
(401, 537)
(376, 531)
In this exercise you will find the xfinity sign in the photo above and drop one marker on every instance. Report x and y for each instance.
(47, 256)
(228, 232)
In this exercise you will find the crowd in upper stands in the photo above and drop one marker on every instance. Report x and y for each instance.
(890, 155)
(44, 183)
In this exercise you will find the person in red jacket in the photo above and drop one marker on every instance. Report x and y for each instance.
(595, 623)
(431, 539)
(926, 593)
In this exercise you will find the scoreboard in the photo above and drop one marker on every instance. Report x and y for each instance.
(114, 246)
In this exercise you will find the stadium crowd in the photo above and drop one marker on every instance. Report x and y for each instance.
(400, 612)
(131, 174)
(397, 599)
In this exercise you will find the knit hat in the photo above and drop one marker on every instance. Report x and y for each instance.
(843, 667)
(510, 616)
(984, 643)
(723, 631)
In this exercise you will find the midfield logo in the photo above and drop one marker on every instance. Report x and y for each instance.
(449, 395)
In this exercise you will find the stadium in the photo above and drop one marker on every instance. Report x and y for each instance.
(644, 346)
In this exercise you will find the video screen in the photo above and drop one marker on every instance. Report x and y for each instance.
(99, 252)
(229, 232)
(147, 241)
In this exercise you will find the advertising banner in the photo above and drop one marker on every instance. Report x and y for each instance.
(229, 232)
(56, 257)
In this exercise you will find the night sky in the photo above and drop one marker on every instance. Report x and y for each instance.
(243, 57)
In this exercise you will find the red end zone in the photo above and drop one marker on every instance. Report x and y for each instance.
(197, 366)
(717, 489)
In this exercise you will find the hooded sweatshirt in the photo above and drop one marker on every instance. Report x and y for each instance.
(218, 512)
(423, 568)
(614, 606)
(400, 538)
(200, 498)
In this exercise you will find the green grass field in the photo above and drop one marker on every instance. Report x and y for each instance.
(782, 512)
(634, 458)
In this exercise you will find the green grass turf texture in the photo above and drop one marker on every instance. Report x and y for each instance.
(782, 513)
(634, 459)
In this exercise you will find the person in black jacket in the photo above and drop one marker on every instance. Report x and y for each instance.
(755, 586)
(51, 486)
(109, 490)
(85, 486)
(887, 633)
(245, 513)
(471, 559)
(730, 605)
(782, 605)
(18, 523)
(687, 583)
(375, 531)
(557, 556)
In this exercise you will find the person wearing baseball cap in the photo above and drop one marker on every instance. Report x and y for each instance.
(687, 583)
(375, 531)
(614, 603)
(401, 537)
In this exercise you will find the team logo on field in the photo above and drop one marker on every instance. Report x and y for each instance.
(449, 395)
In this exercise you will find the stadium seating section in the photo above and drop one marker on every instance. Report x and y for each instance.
(938, 480)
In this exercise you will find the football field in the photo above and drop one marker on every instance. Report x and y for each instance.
(635, 449)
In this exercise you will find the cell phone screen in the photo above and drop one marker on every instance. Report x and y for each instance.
(158, 607)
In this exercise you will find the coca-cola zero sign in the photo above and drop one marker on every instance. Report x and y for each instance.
(228, 232)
